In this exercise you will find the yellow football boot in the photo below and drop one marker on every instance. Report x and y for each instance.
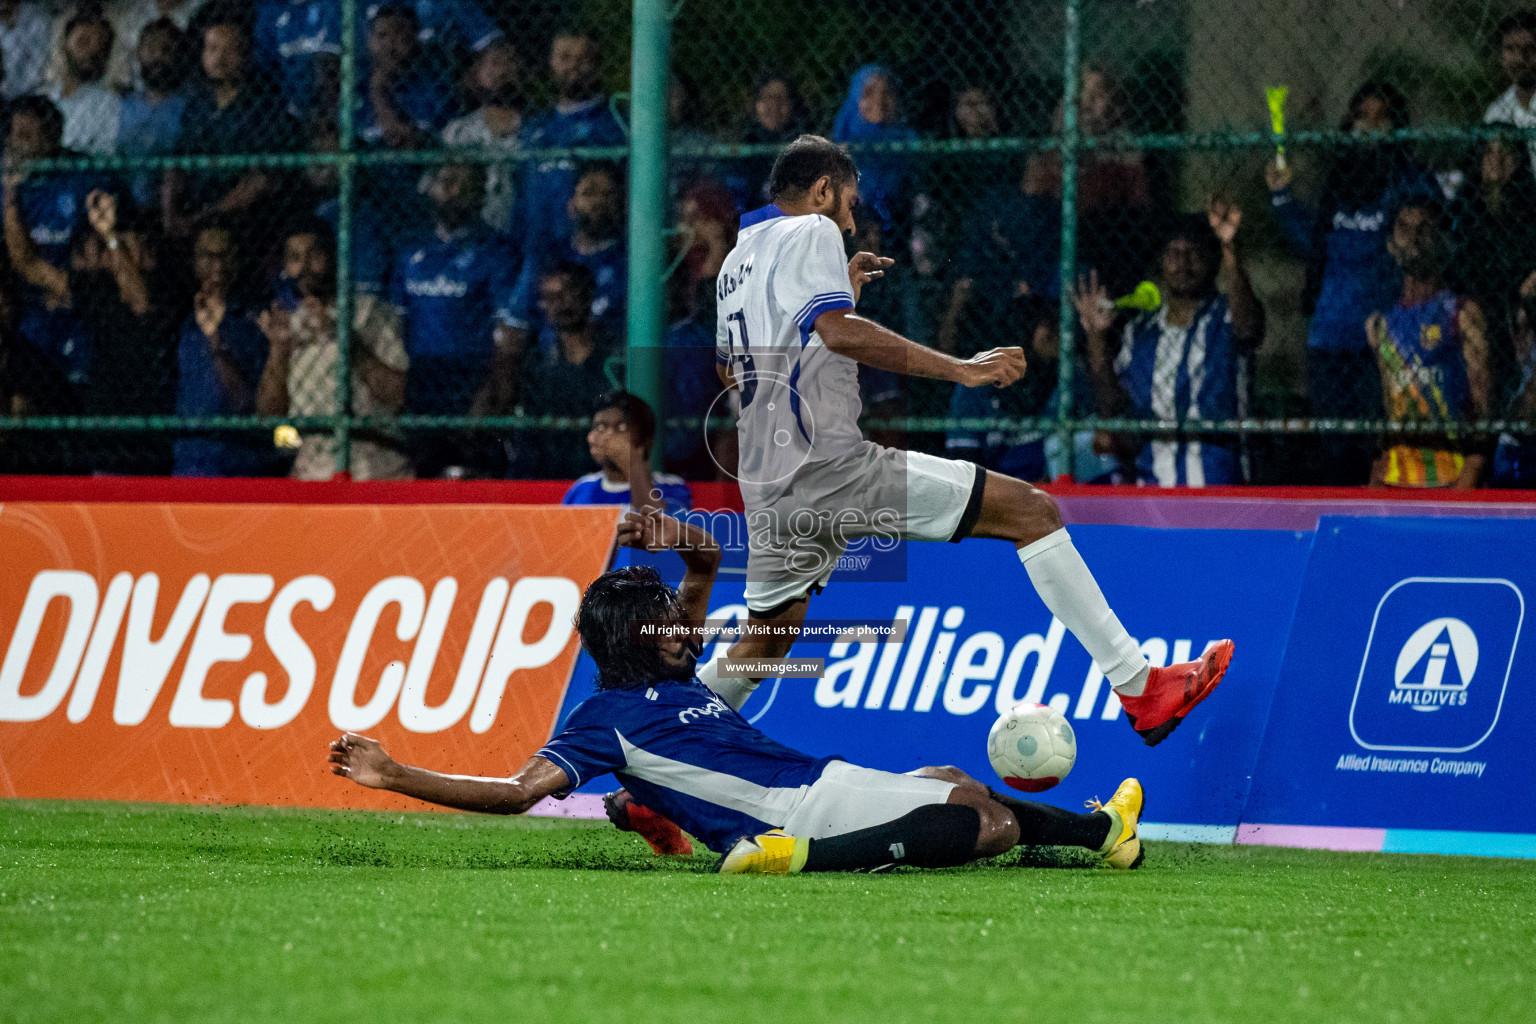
(1122, 849)
(772, 853)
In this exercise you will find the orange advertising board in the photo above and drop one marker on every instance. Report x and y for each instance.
(208, 653)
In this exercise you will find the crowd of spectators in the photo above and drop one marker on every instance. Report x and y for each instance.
(497, 283)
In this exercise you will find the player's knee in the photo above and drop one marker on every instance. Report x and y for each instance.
(999, 829)
(1020, 513)
(1039, 514)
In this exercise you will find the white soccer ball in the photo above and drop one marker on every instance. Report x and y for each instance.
(1032, 747)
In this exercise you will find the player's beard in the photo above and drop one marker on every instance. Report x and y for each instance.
(836, 213)
(688, 667)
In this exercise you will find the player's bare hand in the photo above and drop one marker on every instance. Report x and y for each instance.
(276, 324)
(650, 531)
(1225, 217)
(996, 366)
(1094, 310)
(208, 308)
(864, 268)
(362, 760)
(101, 211)
(1276, 177)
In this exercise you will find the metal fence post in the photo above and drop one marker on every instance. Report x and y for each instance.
(346, 187)
(1070, 59)
(649, 72)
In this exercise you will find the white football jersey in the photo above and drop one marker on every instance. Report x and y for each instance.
(799, 399)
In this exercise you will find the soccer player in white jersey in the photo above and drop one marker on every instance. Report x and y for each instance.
(687, 753)
(789, 339)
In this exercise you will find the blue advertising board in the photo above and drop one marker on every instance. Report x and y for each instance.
(980, 640)
(1405, 717)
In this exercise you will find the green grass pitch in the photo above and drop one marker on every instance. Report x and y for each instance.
(130, 913)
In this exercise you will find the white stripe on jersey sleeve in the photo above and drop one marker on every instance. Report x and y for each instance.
(765, 803)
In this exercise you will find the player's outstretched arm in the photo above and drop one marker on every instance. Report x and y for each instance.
(848, 334)
(364, 761)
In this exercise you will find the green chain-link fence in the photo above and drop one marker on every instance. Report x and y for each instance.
(1355, 309)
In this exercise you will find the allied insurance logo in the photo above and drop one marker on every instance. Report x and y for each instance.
(1437, 664)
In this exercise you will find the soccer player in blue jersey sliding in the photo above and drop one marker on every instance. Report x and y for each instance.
(789, 340)
(683, 750)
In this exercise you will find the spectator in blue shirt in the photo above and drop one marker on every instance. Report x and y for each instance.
(53, 204)
(447, 29)
(228, 114)
(870, 114)
(52, 210)
(118, 319)
(1186, 361)
(402, 103)
(150, 120)
(450, 288)
(1349, 272)
(220, 355)
(298, 42)
(623, 429)
(580, 117)
(595, 240)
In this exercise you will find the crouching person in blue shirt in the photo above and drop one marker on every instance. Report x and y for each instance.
(672, 734)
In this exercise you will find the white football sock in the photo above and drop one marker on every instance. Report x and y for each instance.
(1063, 581)
(734, 690)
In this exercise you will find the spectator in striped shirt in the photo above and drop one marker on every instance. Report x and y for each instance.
(1188, 360)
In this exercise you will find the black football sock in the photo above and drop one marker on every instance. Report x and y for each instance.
(935, 836)
(1044, 825)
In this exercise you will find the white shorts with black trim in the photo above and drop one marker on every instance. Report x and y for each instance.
(847, 798)
(869, 491)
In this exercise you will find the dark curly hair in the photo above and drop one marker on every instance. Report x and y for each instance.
(613, 601)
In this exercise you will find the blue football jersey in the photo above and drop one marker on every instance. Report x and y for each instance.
(448, 24)
(290, 36)
(610, 285)
(594, 489)
(547, 185)
(53, 208)
(420, 96)
(681, 751)
(452, 292)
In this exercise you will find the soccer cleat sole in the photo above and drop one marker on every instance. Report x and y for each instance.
(1132, 846)
(1215, 670)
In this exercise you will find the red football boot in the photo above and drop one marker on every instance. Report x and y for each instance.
(1171, 692)
(665, 838)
